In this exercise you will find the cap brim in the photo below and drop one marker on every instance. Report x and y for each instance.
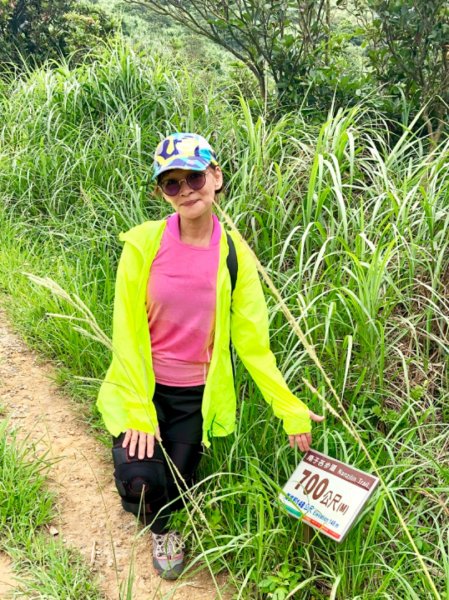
(200, 164)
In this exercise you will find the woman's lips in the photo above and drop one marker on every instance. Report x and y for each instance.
(189, 203)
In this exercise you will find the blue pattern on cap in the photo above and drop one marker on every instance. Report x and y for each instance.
(179, 150)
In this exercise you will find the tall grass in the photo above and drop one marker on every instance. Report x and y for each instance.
(46, 568)
(351, 227)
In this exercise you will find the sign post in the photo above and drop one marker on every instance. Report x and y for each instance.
(327, 494)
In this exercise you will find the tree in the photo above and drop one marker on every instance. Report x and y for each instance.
(409, 47)
(282, 38)
(37, 30)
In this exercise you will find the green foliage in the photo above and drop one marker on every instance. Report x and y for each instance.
(25, 504)
(46, 568)
(409, 47)
(353, 51)
(354, 231)
(279, 584)
(282, 39)
(35, 31)
(50, 571)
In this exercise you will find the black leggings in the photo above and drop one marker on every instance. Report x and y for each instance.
(152, 480)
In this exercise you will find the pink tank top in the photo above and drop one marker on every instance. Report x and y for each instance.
(181, 294)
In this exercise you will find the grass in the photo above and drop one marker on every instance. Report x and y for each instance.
(350, 224)
(46, 568)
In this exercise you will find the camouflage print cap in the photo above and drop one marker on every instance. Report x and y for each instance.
(188, 151)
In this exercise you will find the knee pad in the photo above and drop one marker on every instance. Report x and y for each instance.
(140, 482)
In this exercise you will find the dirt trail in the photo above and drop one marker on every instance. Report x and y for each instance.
(7, 583)
(88, 506)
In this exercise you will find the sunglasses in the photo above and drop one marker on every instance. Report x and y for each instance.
(195, 180)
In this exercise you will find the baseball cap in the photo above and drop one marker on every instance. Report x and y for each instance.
(179, 150)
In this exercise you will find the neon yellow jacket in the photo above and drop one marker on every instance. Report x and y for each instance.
(125, 396)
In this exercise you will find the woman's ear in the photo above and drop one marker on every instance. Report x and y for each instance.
(218, 176)
(156, 193)
(159, 195)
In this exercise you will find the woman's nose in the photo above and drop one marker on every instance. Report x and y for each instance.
(183, 186)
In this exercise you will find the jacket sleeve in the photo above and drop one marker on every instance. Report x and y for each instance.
(250, 336)
(124, 398)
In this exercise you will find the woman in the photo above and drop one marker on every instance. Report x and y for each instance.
(170, 382)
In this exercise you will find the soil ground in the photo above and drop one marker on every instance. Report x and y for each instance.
(89, 514)
(7, 582)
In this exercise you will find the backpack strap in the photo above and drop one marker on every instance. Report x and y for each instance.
(233, 268)
(231, 261)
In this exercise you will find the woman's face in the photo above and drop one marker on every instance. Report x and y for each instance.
(188, 202)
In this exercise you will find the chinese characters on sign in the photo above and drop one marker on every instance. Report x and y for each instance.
(327, 494)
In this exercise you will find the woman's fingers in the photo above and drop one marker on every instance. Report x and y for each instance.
(133, 442)
(150, 445)
(144, 442)
(315, 417)
(302, 440)
(126, 438)
(302, 443)
(142, 445)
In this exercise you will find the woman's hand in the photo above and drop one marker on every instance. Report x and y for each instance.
(304, 440)
(143, 441)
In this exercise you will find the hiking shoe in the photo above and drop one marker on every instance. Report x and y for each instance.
(168, 554)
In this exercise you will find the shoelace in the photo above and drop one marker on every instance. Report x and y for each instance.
(169, 544)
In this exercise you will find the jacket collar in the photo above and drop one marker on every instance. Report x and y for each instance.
(142, 236)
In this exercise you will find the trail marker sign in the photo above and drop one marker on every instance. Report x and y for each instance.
(327, 494)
